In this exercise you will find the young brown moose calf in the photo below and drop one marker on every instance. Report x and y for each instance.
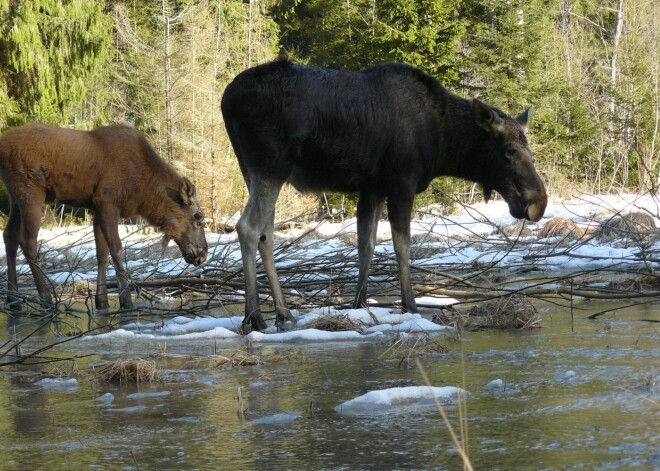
(383, 133)
(112, 171)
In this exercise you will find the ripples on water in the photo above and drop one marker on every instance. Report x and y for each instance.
(578, 395)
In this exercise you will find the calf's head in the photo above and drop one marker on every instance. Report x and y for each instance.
(507, 162)
(185, 223)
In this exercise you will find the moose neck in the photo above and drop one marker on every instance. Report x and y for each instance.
(460, 141)
(157, 206)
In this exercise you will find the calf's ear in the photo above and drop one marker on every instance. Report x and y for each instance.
(186, 195)
(166, 241)
(487, 118)
(523, 118)
(187, 191)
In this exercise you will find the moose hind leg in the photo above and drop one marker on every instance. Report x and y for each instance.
(252, 228)
(10, 236)
(399, 212)
(368, 211)
(102, 253)
(30, 223)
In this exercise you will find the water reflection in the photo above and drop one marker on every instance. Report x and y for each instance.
(572, 395)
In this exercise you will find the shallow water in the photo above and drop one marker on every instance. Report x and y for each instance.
(576, 394)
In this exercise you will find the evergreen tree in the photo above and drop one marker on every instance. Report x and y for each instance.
(505, 45)
(356, 34)
(53, 53)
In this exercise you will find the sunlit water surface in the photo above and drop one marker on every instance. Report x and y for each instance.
(577, 394)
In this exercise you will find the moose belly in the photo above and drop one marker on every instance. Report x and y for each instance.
(64, 187)
(323, 178)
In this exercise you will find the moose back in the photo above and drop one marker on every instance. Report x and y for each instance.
(112, 171)
(383, 133)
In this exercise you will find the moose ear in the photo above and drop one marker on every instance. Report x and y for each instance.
(487, 118)
(488, 192)
(186, 194)
(175, 196)
(187, 191)
(523, 118)
(166, 241)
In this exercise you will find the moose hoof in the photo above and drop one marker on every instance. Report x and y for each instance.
(246, 328)
(102, 304)
(14, 305)
(125, 305)
(255, 322)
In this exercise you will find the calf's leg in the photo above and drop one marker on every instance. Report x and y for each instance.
(368, 211)
(30, 223)
(107, 218)
(102, 253)
(10, 236)
(399, 211)
(255, 230)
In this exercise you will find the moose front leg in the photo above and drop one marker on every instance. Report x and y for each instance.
(399, 211)
(368, 212)
(255, 232)
(283, 313)
(107, 219)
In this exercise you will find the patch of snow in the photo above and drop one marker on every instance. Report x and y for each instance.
(308, 335)
(140, 396)
(276, 419)
(106, 398)
(495, 385)
(51, 383)
(392, 398)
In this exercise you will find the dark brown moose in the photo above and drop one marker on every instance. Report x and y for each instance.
(111, 170)
(383, 133)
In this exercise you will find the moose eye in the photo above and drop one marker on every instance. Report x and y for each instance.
(510, 153)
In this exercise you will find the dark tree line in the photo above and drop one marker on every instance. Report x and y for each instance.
(589, 68)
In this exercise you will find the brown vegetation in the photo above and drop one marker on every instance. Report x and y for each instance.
(561, 227)
(632, 226)
(136, 370)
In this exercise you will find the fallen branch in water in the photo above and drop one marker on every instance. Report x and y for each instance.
(489, 293)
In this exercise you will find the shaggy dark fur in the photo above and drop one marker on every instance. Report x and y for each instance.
(384, 133)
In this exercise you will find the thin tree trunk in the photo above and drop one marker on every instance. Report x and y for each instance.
(250, 34)
(616, 144)
(168, 87)
(193, 106)
(213, 130)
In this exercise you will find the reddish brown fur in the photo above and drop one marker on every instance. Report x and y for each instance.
(111, 170)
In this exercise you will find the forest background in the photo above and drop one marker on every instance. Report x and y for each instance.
(589, 68)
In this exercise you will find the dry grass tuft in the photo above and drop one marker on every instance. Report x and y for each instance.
(406, 347)
(634, 225)
(243, 357)
(635, 284)
(517, 229)
(561, 227)
(508, 312)
(83, 288)
(334, 323)
(136, 370)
